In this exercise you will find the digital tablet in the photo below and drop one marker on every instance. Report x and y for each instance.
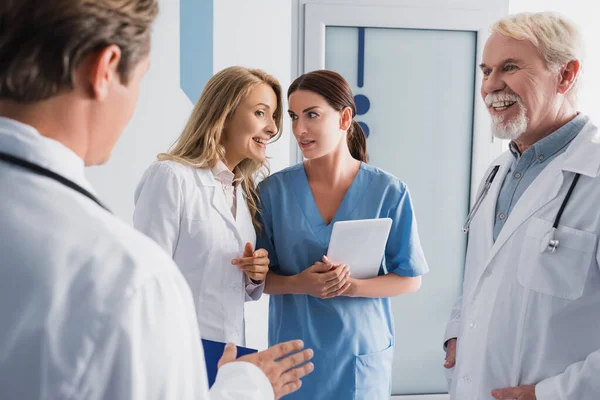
(360, 244)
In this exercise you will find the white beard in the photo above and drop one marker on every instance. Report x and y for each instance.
(514, 128)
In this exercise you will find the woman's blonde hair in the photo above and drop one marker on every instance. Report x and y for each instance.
(199, 145)
(557, 39)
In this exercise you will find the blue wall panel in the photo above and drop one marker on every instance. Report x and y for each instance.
(196, 41)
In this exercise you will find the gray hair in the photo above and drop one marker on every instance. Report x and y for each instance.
(557, 39)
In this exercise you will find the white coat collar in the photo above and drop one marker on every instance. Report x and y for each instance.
(26, 142)
(583, 155)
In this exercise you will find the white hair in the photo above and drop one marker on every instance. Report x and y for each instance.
(557, 39)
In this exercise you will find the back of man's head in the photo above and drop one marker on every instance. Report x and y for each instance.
(42, 42)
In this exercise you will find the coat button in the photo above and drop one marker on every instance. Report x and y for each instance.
(502, 216)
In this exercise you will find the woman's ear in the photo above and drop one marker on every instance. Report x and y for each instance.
(345, 118)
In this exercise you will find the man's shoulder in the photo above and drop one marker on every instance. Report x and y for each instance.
(72, 243)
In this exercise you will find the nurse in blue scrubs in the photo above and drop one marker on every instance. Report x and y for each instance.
(348, 322)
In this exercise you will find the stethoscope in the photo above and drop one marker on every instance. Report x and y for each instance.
(550, 241)
(39, 170)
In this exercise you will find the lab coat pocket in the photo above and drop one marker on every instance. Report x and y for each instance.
(562, 273)
(372, 375)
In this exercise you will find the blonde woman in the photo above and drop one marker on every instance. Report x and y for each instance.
(199, 201)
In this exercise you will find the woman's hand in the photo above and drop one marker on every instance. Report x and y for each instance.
(255, 264)
(324, 279)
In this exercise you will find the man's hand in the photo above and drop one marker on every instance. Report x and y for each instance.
(518, 393)
(255, 264)
(450, 354)
(278, 364)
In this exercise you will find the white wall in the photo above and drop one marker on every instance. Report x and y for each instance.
(584, 14)
(256, 34)
(253, 34)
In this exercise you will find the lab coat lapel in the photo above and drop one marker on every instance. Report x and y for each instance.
(581, 157)
(488, 207)
(540, 192)
(244, 229)
(219, 203)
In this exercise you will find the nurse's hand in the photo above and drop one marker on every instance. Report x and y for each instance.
(324, 280)
(255, 264)
(279, 363)
(520, 393)
(450, 354)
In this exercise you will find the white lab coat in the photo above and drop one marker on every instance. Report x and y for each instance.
(185, 211)
(527, 317)
(89, 307)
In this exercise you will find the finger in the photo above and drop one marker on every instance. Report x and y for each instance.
(336, 275)
(331, 263)
(334, 286)
(243, 261)
(248, 249)
(263, 261)
(261, 253)
(229, 354)
(450, 357)
(299, 372)
(320, 267)
(450, 354)
(506, 393)
(254, 268)
(257, 277)
(296, 359)
(288, 388)
(279, 350)
(339, 292)
(449, 364)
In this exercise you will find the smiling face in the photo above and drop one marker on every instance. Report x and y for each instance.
(520, 92)
(318, 127)
(250, 127)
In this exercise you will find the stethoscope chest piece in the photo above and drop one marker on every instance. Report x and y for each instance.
(549, 242)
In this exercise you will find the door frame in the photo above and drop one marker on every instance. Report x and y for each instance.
(432, 14)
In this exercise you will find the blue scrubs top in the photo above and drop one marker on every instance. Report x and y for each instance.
(353, 338)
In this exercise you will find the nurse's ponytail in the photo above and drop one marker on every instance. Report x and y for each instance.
(336, 91)
(357, 142)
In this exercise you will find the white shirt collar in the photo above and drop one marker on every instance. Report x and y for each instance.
(223, 175)
(24, 141)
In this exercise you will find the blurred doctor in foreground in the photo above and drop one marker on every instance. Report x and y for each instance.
(91, 308)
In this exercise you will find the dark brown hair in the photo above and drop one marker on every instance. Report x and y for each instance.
(336, 91)
(42, 42)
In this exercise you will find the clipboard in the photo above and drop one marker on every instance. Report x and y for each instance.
(360, 244)
(212, 354)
